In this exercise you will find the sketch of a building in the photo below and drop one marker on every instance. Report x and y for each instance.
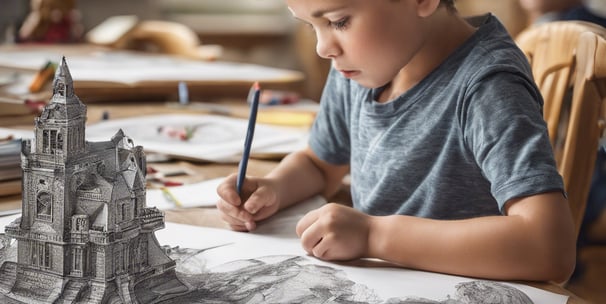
(86, 234)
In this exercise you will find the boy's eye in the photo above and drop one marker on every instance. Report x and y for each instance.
(310, 26)
(340, 24)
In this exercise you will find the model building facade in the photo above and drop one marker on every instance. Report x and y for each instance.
(85, 234)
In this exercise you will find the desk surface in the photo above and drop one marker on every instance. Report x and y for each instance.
(209, 217)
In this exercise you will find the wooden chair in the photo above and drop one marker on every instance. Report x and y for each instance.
(509, 12)
(568, 60)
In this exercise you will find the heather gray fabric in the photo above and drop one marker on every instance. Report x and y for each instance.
(459, 144)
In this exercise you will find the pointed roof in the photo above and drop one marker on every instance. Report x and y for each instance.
(63, 72)
(122, 141)
(64, 105)
(63, 85)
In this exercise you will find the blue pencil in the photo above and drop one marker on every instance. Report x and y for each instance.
(253, 98)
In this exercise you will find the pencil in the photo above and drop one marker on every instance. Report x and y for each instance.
(253, 98)
(170, 197)
(43, 76)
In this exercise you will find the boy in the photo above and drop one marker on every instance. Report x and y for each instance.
(439, 124)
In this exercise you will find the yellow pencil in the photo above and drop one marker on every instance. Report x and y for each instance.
(170, 197)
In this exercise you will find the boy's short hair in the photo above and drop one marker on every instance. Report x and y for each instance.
(449, 4)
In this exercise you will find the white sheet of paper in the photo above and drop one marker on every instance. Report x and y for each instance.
(217, 138)
(131, 68)
(277, 237)
(5, 220)
(17, 133)
(202, 194)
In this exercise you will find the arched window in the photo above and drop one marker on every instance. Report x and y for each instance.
(44, 205)
(59, 141)
(60, 88)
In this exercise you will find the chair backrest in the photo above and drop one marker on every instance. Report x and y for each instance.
(568, 60)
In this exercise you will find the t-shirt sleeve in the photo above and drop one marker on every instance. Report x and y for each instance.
(504, 127)
(329, 138)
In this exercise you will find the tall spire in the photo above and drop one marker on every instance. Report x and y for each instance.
(63, 88)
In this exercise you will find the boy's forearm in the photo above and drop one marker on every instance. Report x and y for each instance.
(298, 177)
(497, 247)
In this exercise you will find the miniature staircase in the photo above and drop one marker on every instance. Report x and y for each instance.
(71, 292)
(97, 292)
(126, 293)
(8, 275)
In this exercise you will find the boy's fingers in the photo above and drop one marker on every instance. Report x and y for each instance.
(227, 191)
(321, 250)
(235, 212)
(310, 238)
(236, 224)
(239, 228)
(307, 220)
(258, 200)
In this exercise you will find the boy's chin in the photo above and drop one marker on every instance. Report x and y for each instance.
(369, 84)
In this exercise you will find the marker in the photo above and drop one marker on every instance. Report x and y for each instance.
(253, 99)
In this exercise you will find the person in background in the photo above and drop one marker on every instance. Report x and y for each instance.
(51, 21)
(551, 10)
(439, 123)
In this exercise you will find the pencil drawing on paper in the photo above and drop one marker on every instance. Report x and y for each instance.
(296, 279)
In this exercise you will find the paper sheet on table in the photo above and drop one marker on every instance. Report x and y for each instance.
(130, 68)
(217, 138)
(276, 237)
(16, 133)
(202, 194)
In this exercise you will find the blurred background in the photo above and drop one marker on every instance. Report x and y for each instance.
(264, 33)
(257, 31)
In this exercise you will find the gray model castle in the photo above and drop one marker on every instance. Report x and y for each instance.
(85, 234)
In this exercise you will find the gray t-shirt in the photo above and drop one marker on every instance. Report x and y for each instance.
(459, 144)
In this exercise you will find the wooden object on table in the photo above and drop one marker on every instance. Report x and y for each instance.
(569, 56)
(108, 74)
(127, 32)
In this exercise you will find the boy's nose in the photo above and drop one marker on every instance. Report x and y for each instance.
(326, 47)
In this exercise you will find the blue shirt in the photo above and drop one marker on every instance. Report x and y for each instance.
(459, 144)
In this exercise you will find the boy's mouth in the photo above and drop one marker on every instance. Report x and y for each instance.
(349, 73)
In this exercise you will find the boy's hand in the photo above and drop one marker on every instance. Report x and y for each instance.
(335, 232)
(260, 202)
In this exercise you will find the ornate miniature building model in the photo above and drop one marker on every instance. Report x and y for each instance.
(85, 234)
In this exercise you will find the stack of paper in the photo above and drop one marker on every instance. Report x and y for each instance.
(10, 167)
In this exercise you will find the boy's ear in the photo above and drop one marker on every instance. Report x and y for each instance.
(426, 8)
